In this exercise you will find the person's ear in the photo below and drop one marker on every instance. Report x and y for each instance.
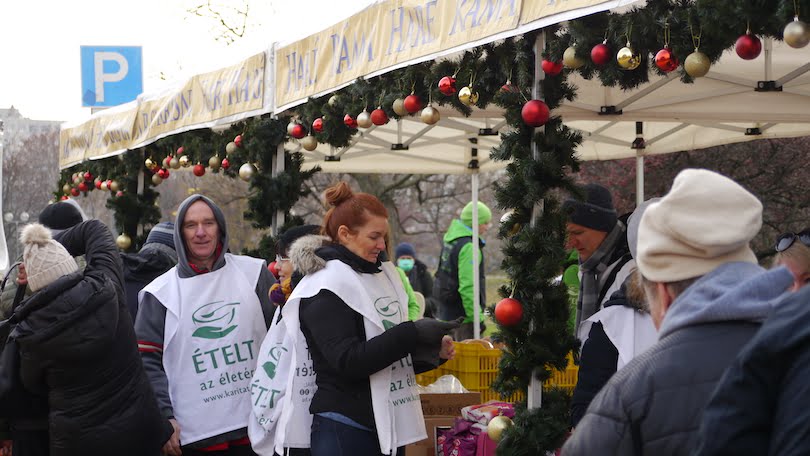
(344, 234)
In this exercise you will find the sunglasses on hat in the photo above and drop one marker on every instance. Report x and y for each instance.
(784, 241)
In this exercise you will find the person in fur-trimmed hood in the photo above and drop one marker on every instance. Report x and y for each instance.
(341, 360)
(77, 345)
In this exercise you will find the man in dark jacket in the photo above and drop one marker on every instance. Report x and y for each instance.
(760, 405)
(77, 345)
(155, 257)
(707, 297)
(453, 290)
(199, 327)
(600, 239)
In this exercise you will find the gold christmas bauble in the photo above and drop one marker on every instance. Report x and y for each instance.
(150, 165)
(66, 189)
(246, 172)
(309, 142)
(497, 426)
(113, 186)
(467, 96)
(399, 107)
(156, 179)
(174, 163)
(333, 100)
(627, 58)
(214, 162)
(230, 147)
(430, 115)
(104, 185)
(696, 64)
(796, 34)
(570, 59)
(123, 241)
(184, 161)
(364, 119)
(78, 180)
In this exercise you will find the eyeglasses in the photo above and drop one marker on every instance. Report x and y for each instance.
(281, 259)
(784, 241)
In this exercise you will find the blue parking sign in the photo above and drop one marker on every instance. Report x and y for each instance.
(111, 75)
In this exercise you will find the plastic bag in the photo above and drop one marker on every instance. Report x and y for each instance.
(443, 384)
(482, 413)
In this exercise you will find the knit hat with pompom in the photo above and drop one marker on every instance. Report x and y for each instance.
(45, 260)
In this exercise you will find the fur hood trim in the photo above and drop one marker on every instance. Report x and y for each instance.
(303, 256)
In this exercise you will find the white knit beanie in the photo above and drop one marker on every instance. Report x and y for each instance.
(704, 221)
(45, 260)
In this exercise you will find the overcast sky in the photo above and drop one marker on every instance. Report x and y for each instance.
(40, 70)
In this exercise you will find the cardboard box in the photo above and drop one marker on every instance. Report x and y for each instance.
(427, 447)
(449, 404)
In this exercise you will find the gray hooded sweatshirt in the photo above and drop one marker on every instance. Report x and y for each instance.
(653, 405)
(151, 318)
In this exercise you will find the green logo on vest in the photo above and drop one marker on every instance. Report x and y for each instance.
(388, 308)
(213, 320)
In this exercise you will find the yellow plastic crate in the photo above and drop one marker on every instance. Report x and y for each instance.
(476, 366)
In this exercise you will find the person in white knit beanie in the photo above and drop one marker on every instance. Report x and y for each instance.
(707, 296)
(45, 260)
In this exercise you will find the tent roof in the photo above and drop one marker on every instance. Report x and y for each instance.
(723, 107)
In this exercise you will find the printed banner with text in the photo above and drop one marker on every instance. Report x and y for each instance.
(390, 33)
(228, 94)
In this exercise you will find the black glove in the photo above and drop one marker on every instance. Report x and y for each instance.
(431, 331)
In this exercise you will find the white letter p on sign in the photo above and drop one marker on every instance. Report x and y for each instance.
(102, 77)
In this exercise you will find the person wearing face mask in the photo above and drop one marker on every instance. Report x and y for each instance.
(416, 271)
(454, 277)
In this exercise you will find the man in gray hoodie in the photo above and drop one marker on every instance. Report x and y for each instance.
(199, 328)
(707, 297)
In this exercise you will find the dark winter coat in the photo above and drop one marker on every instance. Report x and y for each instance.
(420, 279)
(453, 294)
(760, 406)
(78, 346)
(142, 268)
(653, 405)
(341, 355)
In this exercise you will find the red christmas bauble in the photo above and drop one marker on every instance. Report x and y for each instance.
(109, 182)
(225, 163)
(379, 117)
(447, 85)
(509, 87)
(163, 173)
(298, 131)
(64, 197)
(238, 140)
(413, 103)
(74, 191)
(508, 311)
(535, 113)
(600, 54)
(552, 68)
(88, 177)
(350, 121)
(119, 193)
(748, 46)
(666, 61)
(180, 151)
(317, 125)
(83, 187)
(167, 161)
(198, 170)
(98, 184)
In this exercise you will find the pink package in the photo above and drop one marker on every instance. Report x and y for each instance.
(482, 413)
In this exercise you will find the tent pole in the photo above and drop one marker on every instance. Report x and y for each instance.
(278, 169)
(476, 257)
(639, 145)
(535, 394)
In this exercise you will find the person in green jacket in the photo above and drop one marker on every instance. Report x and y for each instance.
(453, 288)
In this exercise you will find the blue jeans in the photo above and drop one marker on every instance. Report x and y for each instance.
(330, 438)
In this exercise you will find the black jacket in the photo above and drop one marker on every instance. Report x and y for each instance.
(342, 356)
(420, 279)
(760, 406)
(142, 268)
(78, 346)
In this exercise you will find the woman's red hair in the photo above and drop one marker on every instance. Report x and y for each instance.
(349, 208)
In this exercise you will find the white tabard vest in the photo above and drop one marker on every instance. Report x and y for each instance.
(630, 331)
(281, 420)
(214, 325)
